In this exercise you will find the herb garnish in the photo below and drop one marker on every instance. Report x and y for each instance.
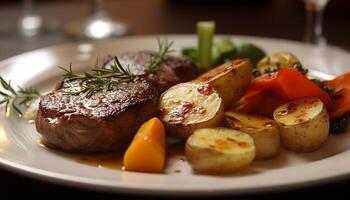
(340, 124)
(300, 68)
(22, 97)
(104, 78)
(99, 78)
(325, 88)
(256, 72)
(277, 66)
(163, 49)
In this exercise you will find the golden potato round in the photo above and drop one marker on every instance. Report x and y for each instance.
(186, 107)
(264, 132)
(304, 124)
(219, 150)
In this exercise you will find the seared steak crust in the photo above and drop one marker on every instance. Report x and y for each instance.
(105, 121)
(172, 70)
(109, 119)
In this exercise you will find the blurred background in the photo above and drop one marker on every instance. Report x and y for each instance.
(30, 24)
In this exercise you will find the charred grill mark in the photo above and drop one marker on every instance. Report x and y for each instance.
(199, 110)
(178, 114)
(288, 110)
(206, 89)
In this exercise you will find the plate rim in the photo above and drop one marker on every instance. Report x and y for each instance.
(90, 183)
(8, 59)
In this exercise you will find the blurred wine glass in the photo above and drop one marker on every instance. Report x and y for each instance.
(30, 22)
(98, 25)
(314, 18)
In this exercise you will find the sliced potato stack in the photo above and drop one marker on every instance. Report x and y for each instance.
(219, 150)
(304, 124)
(263, 130)
(186, 107)
(229, 79)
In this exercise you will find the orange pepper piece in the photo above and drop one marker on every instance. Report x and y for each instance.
(146, 152)
(269, 91)
(341, 89)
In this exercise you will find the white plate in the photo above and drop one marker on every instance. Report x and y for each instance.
(20, 152)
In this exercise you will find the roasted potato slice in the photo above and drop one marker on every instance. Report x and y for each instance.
(219, 150)
(276, 60)
(303, 123)
(263, 130)
(186, 107)
(229, 79)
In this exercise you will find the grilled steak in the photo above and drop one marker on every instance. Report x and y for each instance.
(172, 70)
(108, 119)
(105, 121)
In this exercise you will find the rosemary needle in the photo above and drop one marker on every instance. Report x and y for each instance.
(10, 97)
(163, 49)
(99, 78)
(104, 78)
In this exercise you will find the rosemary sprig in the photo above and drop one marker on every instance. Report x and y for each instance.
(22, 97)
(163, 49)
(99, 78)
(104, 78)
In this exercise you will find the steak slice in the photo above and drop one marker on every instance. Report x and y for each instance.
(105, 121)
(172, 70)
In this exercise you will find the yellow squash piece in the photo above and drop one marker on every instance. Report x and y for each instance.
(146, 152)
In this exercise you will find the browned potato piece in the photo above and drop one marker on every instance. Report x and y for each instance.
(229, 79)
(263, 130)
(186, 107)
(304, 124)
(219, 150)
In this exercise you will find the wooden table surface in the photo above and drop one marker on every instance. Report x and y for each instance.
(268, 18)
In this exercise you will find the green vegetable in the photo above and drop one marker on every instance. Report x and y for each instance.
(205, 32)
(339, 124)
(211, 54)
(224, 49)
(251, 51)
(321, 85)
(256, 72)
(300, 68)
(216, 56)
(191, 53)
(225, 46)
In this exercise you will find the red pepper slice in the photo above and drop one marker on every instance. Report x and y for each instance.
(271, 90)
(290, 84)
(249, 101)
(341, 90)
